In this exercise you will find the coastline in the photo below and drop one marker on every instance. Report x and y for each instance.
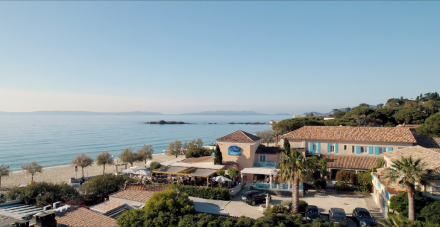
(56, 174)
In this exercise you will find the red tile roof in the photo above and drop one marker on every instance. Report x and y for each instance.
(239, 136)
(350, 162)
(348, 133)
(139, 196)
(81, 217)
(107, 206)
(430, 156)
(153, 188)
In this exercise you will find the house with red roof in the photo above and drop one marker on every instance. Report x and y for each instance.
(347, 147)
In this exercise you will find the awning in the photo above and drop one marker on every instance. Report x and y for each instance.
(263, 171)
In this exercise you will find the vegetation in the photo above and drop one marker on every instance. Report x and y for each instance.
(204, 192)
(320, 183)
(322, 167)
(4, 171)
(154, 165)
(267, 136)
(431, 213)
(221, 172)
(127, 156)
(145, 153)
(364, 182)
(43, 193)
(104, 159)
(398, 221)
(196, 149)
(83, 161)
(346, 177)
(218, 158)
(286, 145)
(422, 110)
(102, 186)
(233, 172)
(408, 172)
(174, 148)
(400, 203)
(32, 168)
(340, 186)
(295, 168)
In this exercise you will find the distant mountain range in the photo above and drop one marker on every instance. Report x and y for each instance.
(225, 112)
(85, 113)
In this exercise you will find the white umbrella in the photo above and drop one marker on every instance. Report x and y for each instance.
(137, 168)
(129, 171)
(220, 179)
(143, 172)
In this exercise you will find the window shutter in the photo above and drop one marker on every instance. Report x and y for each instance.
(376, 150)
(319, 146)
(311, 146)
(328, 147)
(336, 147)
(390, 149)
(370, 150)
(358, 149)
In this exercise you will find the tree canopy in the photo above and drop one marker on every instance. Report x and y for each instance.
(104, 159)
(4, 171)
(83, 161)
(145, 153)
(32, 168)
(431, 127)
(218, 158)
(127, 156)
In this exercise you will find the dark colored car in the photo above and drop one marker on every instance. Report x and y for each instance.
(337, 216)
(253, 197)
(312, 213)
(363, 218)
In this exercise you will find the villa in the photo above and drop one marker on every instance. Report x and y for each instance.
(349, 148)
(383, 190)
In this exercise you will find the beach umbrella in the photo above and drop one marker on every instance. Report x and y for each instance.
(137, 168)
(143, 172)
(220, 179)
(129, 171)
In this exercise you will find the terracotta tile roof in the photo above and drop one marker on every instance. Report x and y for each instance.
(202, 159)
(153, 188)
(268, 150)
(429, 142)
(140, 196)
(81, 217)
(239, 136)
(350, 162)
(348, 133)
(431, 157)
(107, 206)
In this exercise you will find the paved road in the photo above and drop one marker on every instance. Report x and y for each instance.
(209, 205)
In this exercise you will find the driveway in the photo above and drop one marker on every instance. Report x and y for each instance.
(210, 205)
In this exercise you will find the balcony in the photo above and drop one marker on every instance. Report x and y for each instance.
(265, 164)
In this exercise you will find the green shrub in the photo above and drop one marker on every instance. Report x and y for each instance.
(221, 172)
(165, 201)
(154, 165)
(363, 182)
(287, 203)
(431, 213)
(204, 192)
(346, 176)
(302, 205)
(103, 185)
(399, 203)
(277, 209)
(43, 193)
(320, 183)
(340, 186)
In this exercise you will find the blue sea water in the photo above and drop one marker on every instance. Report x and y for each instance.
(54, 140)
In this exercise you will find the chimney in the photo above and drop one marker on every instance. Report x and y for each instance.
(56, 205)
(48, 207)
(46, 219)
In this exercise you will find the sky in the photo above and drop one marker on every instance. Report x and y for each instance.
(179, 57)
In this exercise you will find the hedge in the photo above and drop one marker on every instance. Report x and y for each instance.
(204, 192)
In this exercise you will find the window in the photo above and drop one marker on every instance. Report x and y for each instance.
(315, 147)
(262, 158)
(332, 147)
(382, 150)
(435, 190)
(345, 147)
(364, 150)
(352, 149)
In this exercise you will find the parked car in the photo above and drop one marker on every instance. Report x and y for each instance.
(253, 197)
(312, 213)
(337, 216)
(363, 218)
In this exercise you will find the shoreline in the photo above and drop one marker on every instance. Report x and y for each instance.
(56, 174)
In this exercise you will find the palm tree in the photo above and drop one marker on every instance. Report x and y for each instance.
(103, 159)
(83, 161)
(146, 152)
(4, 171)
(408, 173)
(295, 168)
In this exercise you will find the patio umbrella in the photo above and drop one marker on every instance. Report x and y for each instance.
(220, 179)
(129, 171)
(143, 172)
(137, 168)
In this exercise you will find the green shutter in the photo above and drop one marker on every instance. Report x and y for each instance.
(376, 150)
(370, 150)
(358, 149)
(319, 146)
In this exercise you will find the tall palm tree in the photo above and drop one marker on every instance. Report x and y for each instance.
(295, 168)
(4, 171)
(408, 173)
(103, 159)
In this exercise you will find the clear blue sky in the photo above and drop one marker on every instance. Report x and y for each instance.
(177, 57)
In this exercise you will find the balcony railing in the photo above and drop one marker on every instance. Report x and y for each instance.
(265, 164)
(275, 186)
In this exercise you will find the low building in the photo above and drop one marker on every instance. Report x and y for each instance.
(383, 190)
(80, 217)
(133, 199)
(349, 148)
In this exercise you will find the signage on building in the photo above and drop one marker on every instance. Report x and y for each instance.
(234, 150)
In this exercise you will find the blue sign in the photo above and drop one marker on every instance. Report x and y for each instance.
(234, 150)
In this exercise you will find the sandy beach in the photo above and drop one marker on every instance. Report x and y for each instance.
(64, 173)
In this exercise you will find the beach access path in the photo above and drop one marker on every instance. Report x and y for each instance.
(64, 173)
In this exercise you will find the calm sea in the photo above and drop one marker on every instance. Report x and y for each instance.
(54, 140)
